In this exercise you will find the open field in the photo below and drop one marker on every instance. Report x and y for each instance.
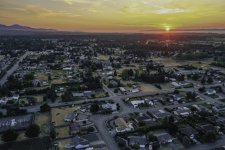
(149, 88)
(170, 62)
(58, 115)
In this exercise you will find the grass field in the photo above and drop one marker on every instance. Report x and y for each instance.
(58, 115)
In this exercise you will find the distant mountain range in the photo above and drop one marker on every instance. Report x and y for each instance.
(23, 30)
(17, 27)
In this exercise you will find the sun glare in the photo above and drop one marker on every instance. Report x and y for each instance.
(167, 28)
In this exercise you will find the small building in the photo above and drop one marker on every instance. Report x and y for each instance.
(70, 117)
(141, 141)
(189, 132)
(164, 138)
(160, 114)
(15, 122)
(136, 103)
(178, 97)
(122, 89)
(80, 143)
(89, 93)
(112, 107)
(218, 107)
(211, 92)
(183, 111)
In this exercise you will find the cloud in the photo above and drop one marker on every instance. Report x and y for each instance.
(71, 2)
(171, 10)
(41, 11)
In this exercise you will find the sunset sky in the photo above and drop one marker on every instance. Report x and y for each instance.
(114, 15)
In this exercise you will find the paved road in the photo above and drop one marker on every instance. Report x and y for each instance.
(106, 89)
(3, 80)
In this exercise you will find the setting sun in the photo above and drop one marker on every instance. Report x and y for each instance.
(167, 28)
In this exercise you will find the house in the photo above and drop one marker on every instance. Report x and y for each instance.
(223, 89)
(89, 93)
(80, 143)
(178, 97)
(15, 122)
(144, 119)
(202, 108)
(136, 103)
(113, 83)
(211, 92)
(70, 117)
(122, 89)
(183, 111)
(80, 128)
(160, 114)
(67, 68)
(218, 107)
(112, 107)
(135, 90)
(141, 141)
(164, 138)
(205, 128)
(122, 125)
(189, 132)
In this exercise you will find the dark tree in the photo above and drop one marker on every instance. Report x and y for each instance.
(45, 108)
(9, 136)
(32, 131)
(94, 108)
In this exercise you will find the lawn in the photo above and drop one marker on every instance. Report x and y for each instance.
(63, 143)
(62, 132)
(39, 98)
(58, 115)
(100, 94)
(41, 76)
(43, 120)
(103, 57)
